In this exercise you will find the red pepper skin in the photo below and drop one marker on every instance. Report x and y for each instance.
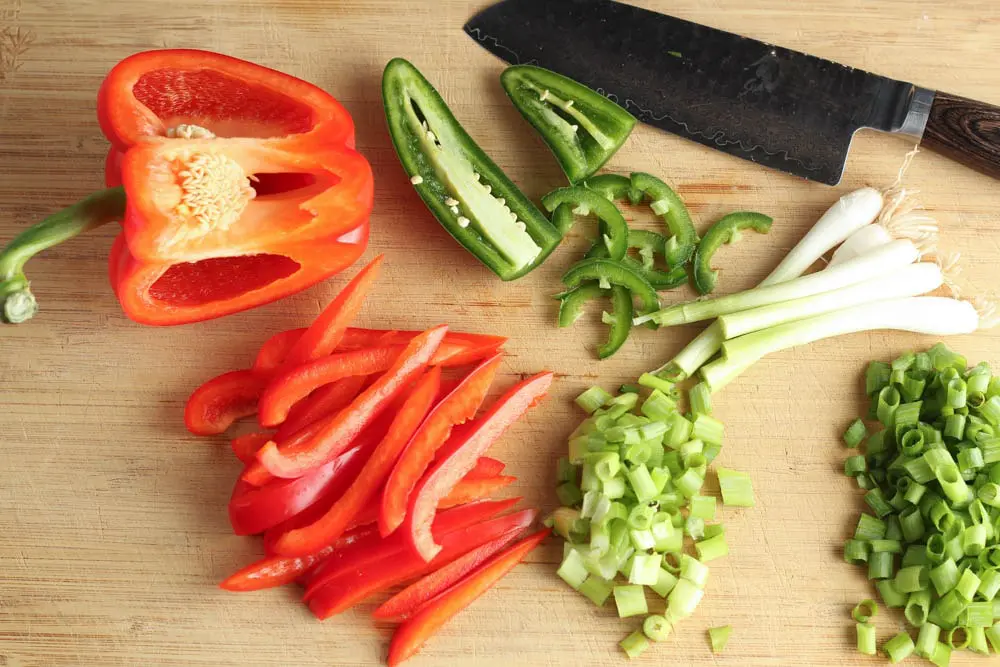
(412, 599)
(337, 435)
(323, 402)
(460, 457)
(245, 447)
(374, 548)
(310, 539)
(254, 509)
(113, 168)
(329, 595)
(327, 330)
(216, 404)
(294, 385)
(486, 467)
(275, 349)
(458, 407)
(410, 636)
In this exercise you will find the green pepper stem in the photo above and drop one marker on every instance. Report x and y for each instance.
(17, 303)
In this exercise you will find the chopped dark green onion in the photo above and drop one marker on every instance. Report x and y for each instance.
(855, 433)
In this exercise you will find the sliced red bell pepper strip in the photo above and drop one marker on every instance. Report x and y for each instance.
(372, 547)
(216, 404)
(411, 599)
(323, 402)
(246, 446)
(254, 509)
(410, 636)
(485, 467)
(456, 408)
(292, 386)
(275, 349)
(325, 333)
(328, 595)
(367, 484)
(460, 457)
(355, 338)
(337, 435)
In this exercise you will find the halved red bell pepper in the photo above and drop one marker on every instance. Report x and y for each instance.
(458, 407)
(485, 467)
(460, 457)
(329, 595)
(410, 636)
(411, 599)
(325, 333)
(323, 402)
(337, 435)
(216, 404)
(292, 386)
(369, 481)
(242, 184)
(246, 446)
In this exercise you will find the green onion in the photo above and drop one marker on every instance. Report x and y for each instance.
(892, 546)
(880, 565)
(958, 638)
(712, 548)
(719, 637)
(870, 528)
(856, 551)
(949, 607)
(876, 377)
(864, 611)
(875, 500)
(708, 429)
(888, 402)
(596, 589)
(683, 600)
(572, 570)
(656, 627)
(629, 389)
(993, 635)
(645, 568)
(665, 582)
(918, 606)
(635, 644)
(700, 399)
(968, 584)
(642, 483)
(703, 507)
(630, 601)
(855, 433)
(911, 579)
(978, 615)
(855, 465)
(592, 399)
(694, 571)
(927, 640)
(866, 638)
(989, 585)
(977, 640)
(942, 655)
(891, 597)
(899, 647)
(737, 490)
(690, 482)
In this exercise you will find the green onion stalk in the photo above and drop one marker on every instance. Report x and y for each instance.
(17, 303)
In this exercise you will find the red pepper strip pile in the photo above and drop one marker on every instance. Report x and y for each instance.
(290, 387)
(246, 446)
(324, 401)
(355, 548)
(295, 462)
(458, 407)
(415, 632)
(334, 593)
(460, 457)
(369, 481)
(485, 467)
(325, 333)
(412, 598)
(215, 405)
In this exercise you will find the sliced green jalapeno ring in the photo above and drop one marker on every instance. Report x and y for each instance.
(582, 128)
(609, 272)
(726, 230)
(564, 203)
(614, 187)
(465, 190)
(649, 244)
(670, 207)
(619, 319)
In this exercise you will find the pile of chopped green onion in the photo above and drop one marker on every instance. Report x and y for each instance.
(634, 516)
(931, 476)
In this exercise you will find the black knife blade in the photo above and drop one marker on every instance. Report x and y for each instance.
(761, 102)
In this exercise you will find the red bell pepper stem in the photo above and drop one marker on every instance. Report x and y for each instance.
(295, 384)
(254, 509)
(486, 467)
(274, 351)
(415, 632)
(456, 408)
(215, 405)
(460, 457)
(323, 402)
(246, 446)
(337, 435)
(325, 333)
(376, 548)
(412, 599)
(328, 595)
(310, 539)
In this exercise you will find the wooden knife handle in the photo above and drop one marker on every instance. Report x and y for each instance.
(965, 130)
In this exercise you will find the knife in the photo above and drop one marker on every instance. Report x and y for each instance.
(764, 103)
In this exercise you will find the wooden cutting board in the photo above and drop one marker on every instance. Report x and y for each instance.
(113, 530)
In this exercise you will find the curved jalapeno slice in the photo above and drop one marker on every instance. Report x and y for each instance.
(726, 230)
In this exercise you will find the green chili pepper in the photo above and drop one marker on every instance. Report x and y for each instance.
(614, 187)
(609, 272)
(666, 204)
(468, 194)
(619, 319)
(649, 244)
(726, 230)
(564, 203)
(582, 128)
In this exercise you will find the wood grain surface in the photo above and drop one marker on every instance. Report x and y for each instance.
(113, 530)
